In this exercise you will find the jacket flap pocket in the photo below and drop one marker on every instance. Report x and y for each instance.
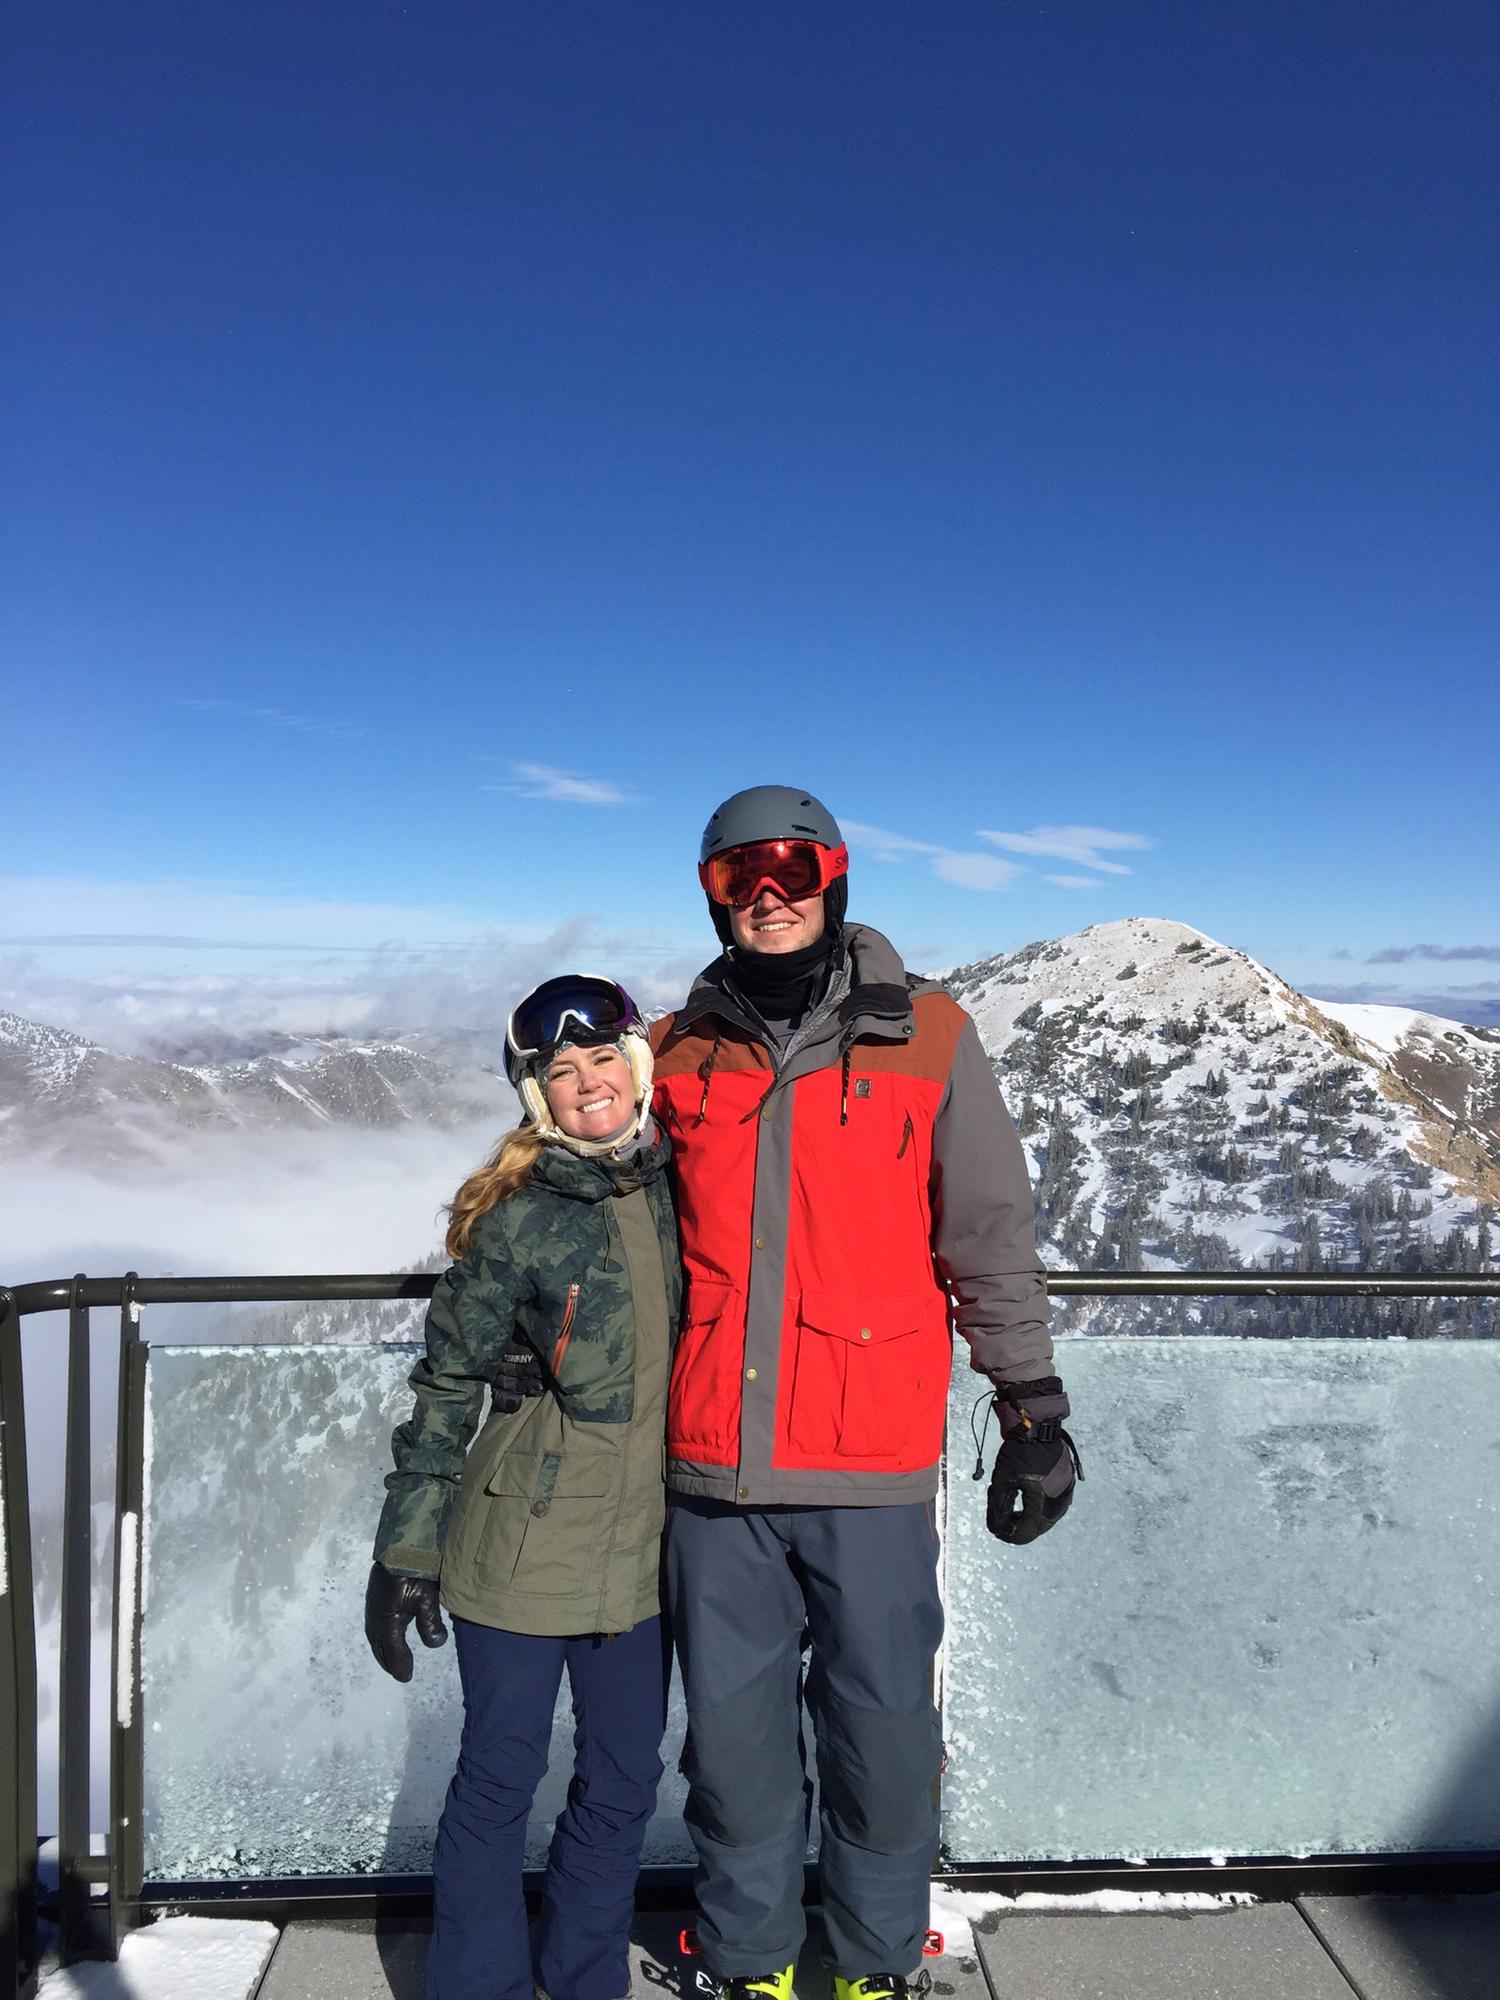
(705, 1299)
(864, 1317)
(583, 1474)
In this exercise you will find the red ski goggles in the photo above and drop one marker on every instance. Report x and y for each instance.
(792, 869)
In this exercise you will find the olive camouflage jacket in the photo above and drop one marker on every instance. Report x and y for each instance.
(552, 1522)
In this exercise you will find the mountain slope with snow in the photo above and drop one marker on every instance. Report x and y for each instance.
(1181, 1105)
(1184, 1108)
(1456, 1068)
(66, 1099)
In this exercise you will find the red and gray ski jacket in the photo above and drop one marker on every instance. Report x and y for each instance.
(842, 1207)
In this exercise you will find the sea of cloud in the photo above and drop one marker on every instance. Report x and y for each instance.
(257, 1203)
(221, 1002)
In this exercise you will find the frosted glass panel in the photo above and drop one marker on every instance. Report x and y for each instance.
(1268, 1626)
(274, 1745)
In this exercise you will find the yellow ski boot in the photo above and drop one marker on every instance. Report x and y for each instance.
(763, 1986)
(882, 1986)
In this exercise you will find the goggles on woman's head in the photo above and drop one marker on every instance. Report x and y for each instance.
(793, 869)
(577, 1007)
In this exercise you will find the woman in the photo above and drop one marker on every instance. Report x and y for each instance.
(544, 1543)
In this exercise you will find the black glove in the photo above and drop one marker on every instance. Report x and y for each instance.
(1037, 1462)
(518, 1374)
(391, 1603)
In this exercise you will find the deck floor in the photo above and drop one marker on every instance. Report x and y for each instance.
(1317, 1948)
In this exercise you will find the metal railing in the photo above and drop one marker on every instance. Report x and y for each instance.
(82, 1931)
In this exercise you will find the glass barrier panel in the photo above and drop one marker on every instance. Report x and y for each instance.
(1268, 1627)
(1270, 1624)
(274, 1745)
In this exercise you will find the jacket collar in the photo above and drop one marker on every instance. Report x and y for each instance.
(596, 1179)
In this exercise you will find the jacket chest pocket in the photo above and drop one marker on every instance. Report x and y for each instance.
(586, 1338)
(547, 1517)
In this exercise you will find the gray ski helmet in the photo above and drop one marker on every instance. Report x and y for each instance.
(769, 812)
(773, 812)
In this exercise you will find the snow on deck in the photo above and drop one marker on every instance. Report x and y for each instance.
(175, 1958)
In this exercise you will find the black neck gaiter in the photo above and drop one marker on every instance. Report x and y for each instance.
(782, 985)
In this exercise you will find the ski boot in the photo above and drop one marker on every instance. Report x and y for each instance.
(762, 1986)
(882, 1986)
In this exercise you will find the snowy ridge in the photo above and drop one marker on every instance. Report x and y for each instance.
(1184, 1108)
(1456, 1069)
(66, 1099)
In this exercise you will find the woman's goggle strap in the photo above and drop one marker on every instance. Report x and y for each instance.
(793, 868)
(574, 1005)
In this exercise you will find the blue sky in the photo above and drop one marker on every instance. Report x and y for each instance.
(451, 446)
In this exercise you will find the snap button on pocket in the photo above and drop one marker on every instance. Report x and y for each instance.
(539, 1507)
(864, 1333)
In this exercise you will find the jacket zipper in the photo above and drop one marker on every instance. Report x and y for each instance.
(561, 1346)
(907, 1132)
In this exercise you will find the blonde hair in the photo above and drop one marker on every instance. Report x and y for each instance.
(505, 1171)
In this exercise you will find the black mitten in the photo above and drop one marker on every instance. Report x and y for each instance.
(391, 1603)
(1031, 1486)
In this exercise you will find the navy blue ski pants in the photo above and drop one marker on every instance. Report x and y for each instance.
(745, 1583)
(480, 1949)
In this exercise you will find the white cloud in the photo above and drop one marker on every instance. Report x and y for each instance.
(885, 846)
(1071, 843)
(973, 871)
(334, 1199)
(144, 1000)
(280, 718)
(1073, 881)
(545, 781)
(965, 871)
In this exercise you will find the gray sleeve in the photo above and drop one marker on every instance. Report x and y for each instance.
(983, 1238)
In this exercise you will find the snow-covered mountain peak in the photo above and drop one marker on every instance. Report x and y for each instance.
(1183, 1106)
(47, 1059)
(1123, 969)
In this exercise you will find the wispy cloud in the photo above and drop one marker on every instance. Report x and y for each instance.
(146, 964)
(174, 1013)
(280, 718)
(965, 871)
(1073, 881)
(1436, 954)
(1081, 844)
(545, 781)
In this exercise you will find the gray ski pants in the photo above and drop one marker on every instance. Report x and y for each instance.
(861, 1582)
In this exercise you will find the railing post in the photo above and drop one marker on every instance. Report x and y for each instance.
(125, 1789)
(18, 1953)
(75, 1640)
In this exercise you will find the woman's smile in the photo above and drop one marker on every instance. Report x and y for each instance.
(590, 1091)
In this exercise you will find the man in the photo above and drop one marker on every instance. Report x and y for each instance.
(849, 1187)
